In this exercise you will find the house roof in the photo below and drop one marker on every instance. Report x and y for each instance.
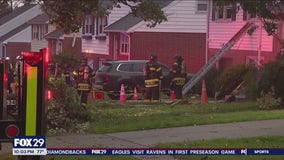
(40, 19)
(15, 13)
(56, 34)
(130, 20)
(14, 32)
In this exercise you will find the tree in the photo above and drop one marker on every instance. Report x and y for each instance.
(270, 12)
(69, 14)
(7, 6)
(4, 8)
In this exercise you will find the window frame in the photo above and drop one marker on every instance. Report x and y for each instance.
(101, 23)
(39, 31)
(201, 2)
(223, 14)
(124, 44)
(89, 25)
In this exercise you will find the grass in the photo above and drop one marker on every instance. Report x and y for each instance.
(117, 117)
(254, 142)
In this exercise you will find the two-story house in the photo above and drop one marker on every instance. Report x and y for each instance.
(95, 41)
(256, 46)
(15, 32)
(184, 33)
(45, 35)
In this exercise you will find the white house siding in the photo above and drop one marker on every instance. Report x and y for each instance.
(36, 45)
(95, 46)
(117, 13)
(222, 31)
(20, 19)
(23, 36)
(102, 46)
(182, 17)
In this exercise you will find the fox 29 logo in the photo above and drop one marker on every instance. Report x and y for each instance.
(29, 142)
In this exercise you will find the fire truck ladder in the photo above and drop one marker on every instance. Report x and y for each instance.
(216, 57)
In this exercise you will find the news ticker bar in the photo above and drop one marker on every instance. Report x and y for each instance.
(147, 151)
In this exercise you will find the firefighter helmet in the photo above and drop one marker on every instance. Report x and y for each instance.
(153, 57)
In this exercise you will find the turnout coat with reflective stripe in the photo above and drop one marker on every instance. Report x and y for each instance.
(153, 73)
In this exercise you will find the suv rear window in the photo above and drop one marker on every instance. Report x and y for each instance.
(138, 67)
(125, 67)
(105, 67)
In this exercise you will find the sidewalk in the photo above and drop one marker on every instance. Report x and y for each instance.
(149, 138)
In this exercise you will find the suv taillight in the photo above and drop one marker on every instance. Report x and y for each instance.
(106, 78)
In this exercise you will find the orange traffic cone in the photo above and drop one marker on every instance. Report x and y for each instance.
(135, 95)
(122, 94)
(173, 95)
(204, 98)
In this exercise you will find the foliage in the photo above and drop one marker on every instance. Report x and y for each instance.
(65, 114)
(273, 76)
(251, 79)
(210, 79)
(67, 58)
(229, 79)
(4, 8)
(268, 100)
(69, 14)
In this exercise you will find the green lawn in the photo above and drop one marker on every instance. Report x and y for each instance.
(117, 117)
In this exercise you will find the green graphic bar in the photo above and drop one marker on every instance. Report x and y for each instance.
(31, 103)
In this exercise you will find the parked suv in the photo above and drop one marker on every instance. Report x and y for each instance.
(112, 74)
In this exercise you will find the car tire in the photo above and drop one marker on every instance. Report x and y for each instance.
(129, 89)
(113, 96)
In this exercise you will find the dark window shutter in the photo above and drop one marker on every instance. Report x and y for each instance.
(92, 26)
(245, 15)
(83, 27)
(213, 13)
(234, 13)
(97, 25)
(92, 29)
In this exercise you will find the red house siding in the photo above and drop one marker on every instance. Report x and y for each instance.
(13, 49)
(67, 45)
(166, 45)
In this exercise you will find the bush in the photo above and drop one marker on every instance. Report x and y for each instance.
(251, 79)
(268, 100)
(229, 79)
(273, 76)
(210, 79)
(65, 114)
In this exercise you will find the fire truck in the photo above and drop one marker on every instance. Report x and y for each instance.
(23, 113)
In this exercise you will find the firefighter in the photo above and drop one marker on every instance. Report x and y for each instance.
(153, 76)
(181, 64)
(177, 80)
(66, 74)
(84, 73)
(10, 74)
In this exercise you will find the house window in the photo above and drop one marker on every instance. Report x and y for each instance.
(89, 25)
(223, 13)
(38, 31)
(202, 5)
(100, 25)
(248, 16)
(124, 44)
